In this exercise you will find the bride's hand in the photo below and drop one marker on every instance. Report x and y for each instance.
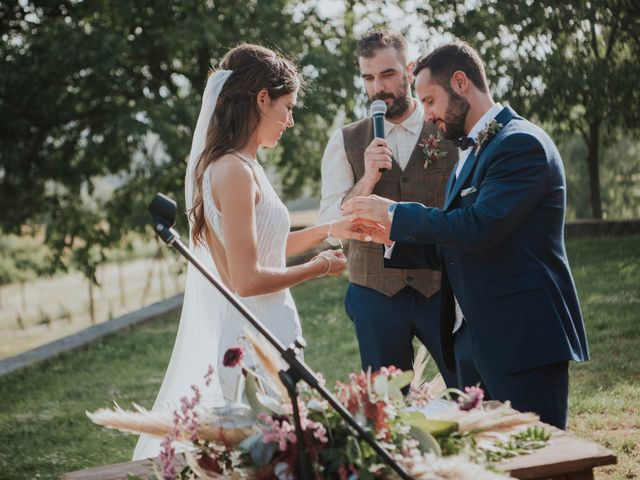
(329, 262)
(346, 229)
(374, 231)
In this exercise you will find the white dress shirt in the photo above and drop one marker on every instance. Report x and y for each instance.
(337, 175)
(463, 155)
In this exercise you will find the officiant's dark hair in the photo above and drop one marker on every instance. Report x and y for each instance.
(445, 60)
(379, 39)
(236, 114)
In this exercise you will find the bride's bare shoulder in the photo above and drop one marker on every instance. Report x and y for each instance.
(230, 168)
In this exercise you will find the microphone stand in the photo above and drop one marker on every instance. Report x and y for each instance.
(163, 210)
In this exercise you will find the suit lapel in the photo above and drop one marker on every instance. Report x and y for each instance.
(455, 185)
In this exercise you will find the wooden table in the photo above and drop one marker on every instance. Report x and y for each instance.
(564, 458)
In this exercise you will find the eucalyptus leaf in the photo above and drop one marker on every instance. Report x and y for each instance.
(427, 442)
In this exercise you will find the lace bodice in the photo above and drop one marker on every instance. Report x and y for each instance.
(272, 217)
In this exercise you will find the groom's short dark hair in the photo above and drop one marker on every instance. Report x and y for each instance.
(451, 57)
(379, 39)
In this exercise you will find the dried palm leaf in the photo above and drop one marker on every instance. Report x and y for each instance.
(454, 467)
(503, 418)
(269, 359)
(437, 386)
(419, 365)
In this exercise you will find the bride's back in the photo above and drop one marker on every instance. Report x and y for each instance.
(271, 217)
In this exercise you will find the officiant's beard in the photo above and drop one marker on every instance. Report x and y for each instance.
(399, 103)
(455, 116)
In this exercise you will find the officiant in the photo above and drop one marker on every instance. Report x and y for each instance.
(388, 307)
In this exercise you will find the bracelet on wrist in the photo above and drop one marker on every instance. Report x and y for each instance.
(328, 264)
(331, 237)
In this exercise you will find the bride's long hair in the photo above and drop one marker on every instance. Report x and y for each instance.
(236, 114)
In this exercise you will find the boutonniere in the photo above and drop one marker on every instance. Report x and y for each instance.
(431, 149)
(484, 135)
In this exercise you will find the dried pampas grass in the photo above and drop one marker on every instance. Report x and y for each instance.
(160, 424)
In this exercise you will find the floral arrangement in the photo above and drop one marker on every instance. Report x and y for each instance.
(431, 149)
(485, 134)
(254, 437)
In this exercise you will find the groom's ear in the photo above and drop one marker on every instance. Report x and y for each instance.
(459, 82)
(410, 67)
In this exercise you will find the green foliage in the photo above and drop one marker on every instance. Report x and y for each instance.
(571, 65)
(525, 442)
(22, 258)
(111, 90)
(25, 257)
(620, 175)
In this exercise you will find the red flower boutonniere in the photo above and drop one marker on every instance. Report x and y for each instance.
(431, 149)
(491, 129)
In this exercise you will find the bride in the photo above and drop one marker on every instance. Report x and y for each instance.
(239, 227)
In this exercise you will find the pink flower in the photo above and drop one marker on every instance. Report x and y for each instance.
(278, 431)
(166, 457)
(472, 398)
(233, 357)
(209, 376)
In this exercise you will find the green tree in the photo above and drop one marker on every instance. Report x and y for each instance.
(103, 89)
(572, 65)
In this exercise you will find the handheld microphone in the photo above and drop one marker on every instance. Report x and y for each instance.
(378, 110)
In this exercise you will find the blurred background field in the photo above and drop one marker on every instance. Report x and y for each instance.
(36, 308)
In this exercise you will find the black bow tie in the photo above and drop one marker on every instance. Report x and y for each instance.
(464, 142)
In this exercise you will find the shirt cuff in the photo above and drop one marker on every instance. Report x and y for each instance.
(388, 251)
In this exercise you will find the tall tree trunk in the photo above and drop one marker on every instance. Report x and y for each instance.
(593, 158)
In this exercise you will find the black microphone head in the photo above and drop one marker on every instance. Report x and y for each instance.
(163, 209)
(378, 107)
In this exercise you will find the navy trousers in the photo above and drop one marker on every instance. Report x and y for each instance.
(542, 390)
(385, 327)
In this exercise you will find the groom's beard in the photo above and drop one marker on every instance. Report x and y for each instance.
(455, 116)
(399, 103)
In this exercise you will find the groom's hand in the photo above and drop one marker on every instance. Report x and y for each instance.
(372, 208)
(374, 231)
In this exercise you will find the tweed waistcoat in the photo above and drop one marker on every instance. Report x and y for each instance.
(415, 184)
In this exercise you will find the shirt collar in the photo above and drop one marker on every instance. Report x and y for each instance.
(413, 123)
(484, 120)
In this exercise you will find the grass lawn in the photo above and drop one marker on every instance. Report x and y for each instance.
(44, 432)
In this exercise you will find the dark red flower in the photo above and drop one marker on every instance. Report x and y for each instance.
(209, 463)
(472, 398)
(233, 357)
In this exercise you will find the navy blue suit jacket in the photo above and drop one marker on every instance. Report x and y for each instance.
(500, 247)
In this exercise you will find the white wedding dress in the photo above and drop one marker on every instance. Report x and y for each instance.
(201, 342)
(276, 310)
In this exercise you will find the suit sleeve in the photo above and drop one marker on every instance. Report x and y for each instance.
(515, 182)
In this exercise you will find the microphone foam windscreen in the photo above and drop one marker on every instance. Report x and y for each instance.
(378, 107)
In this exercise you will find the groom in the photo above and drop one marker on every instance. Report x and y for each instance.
(510, 317)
